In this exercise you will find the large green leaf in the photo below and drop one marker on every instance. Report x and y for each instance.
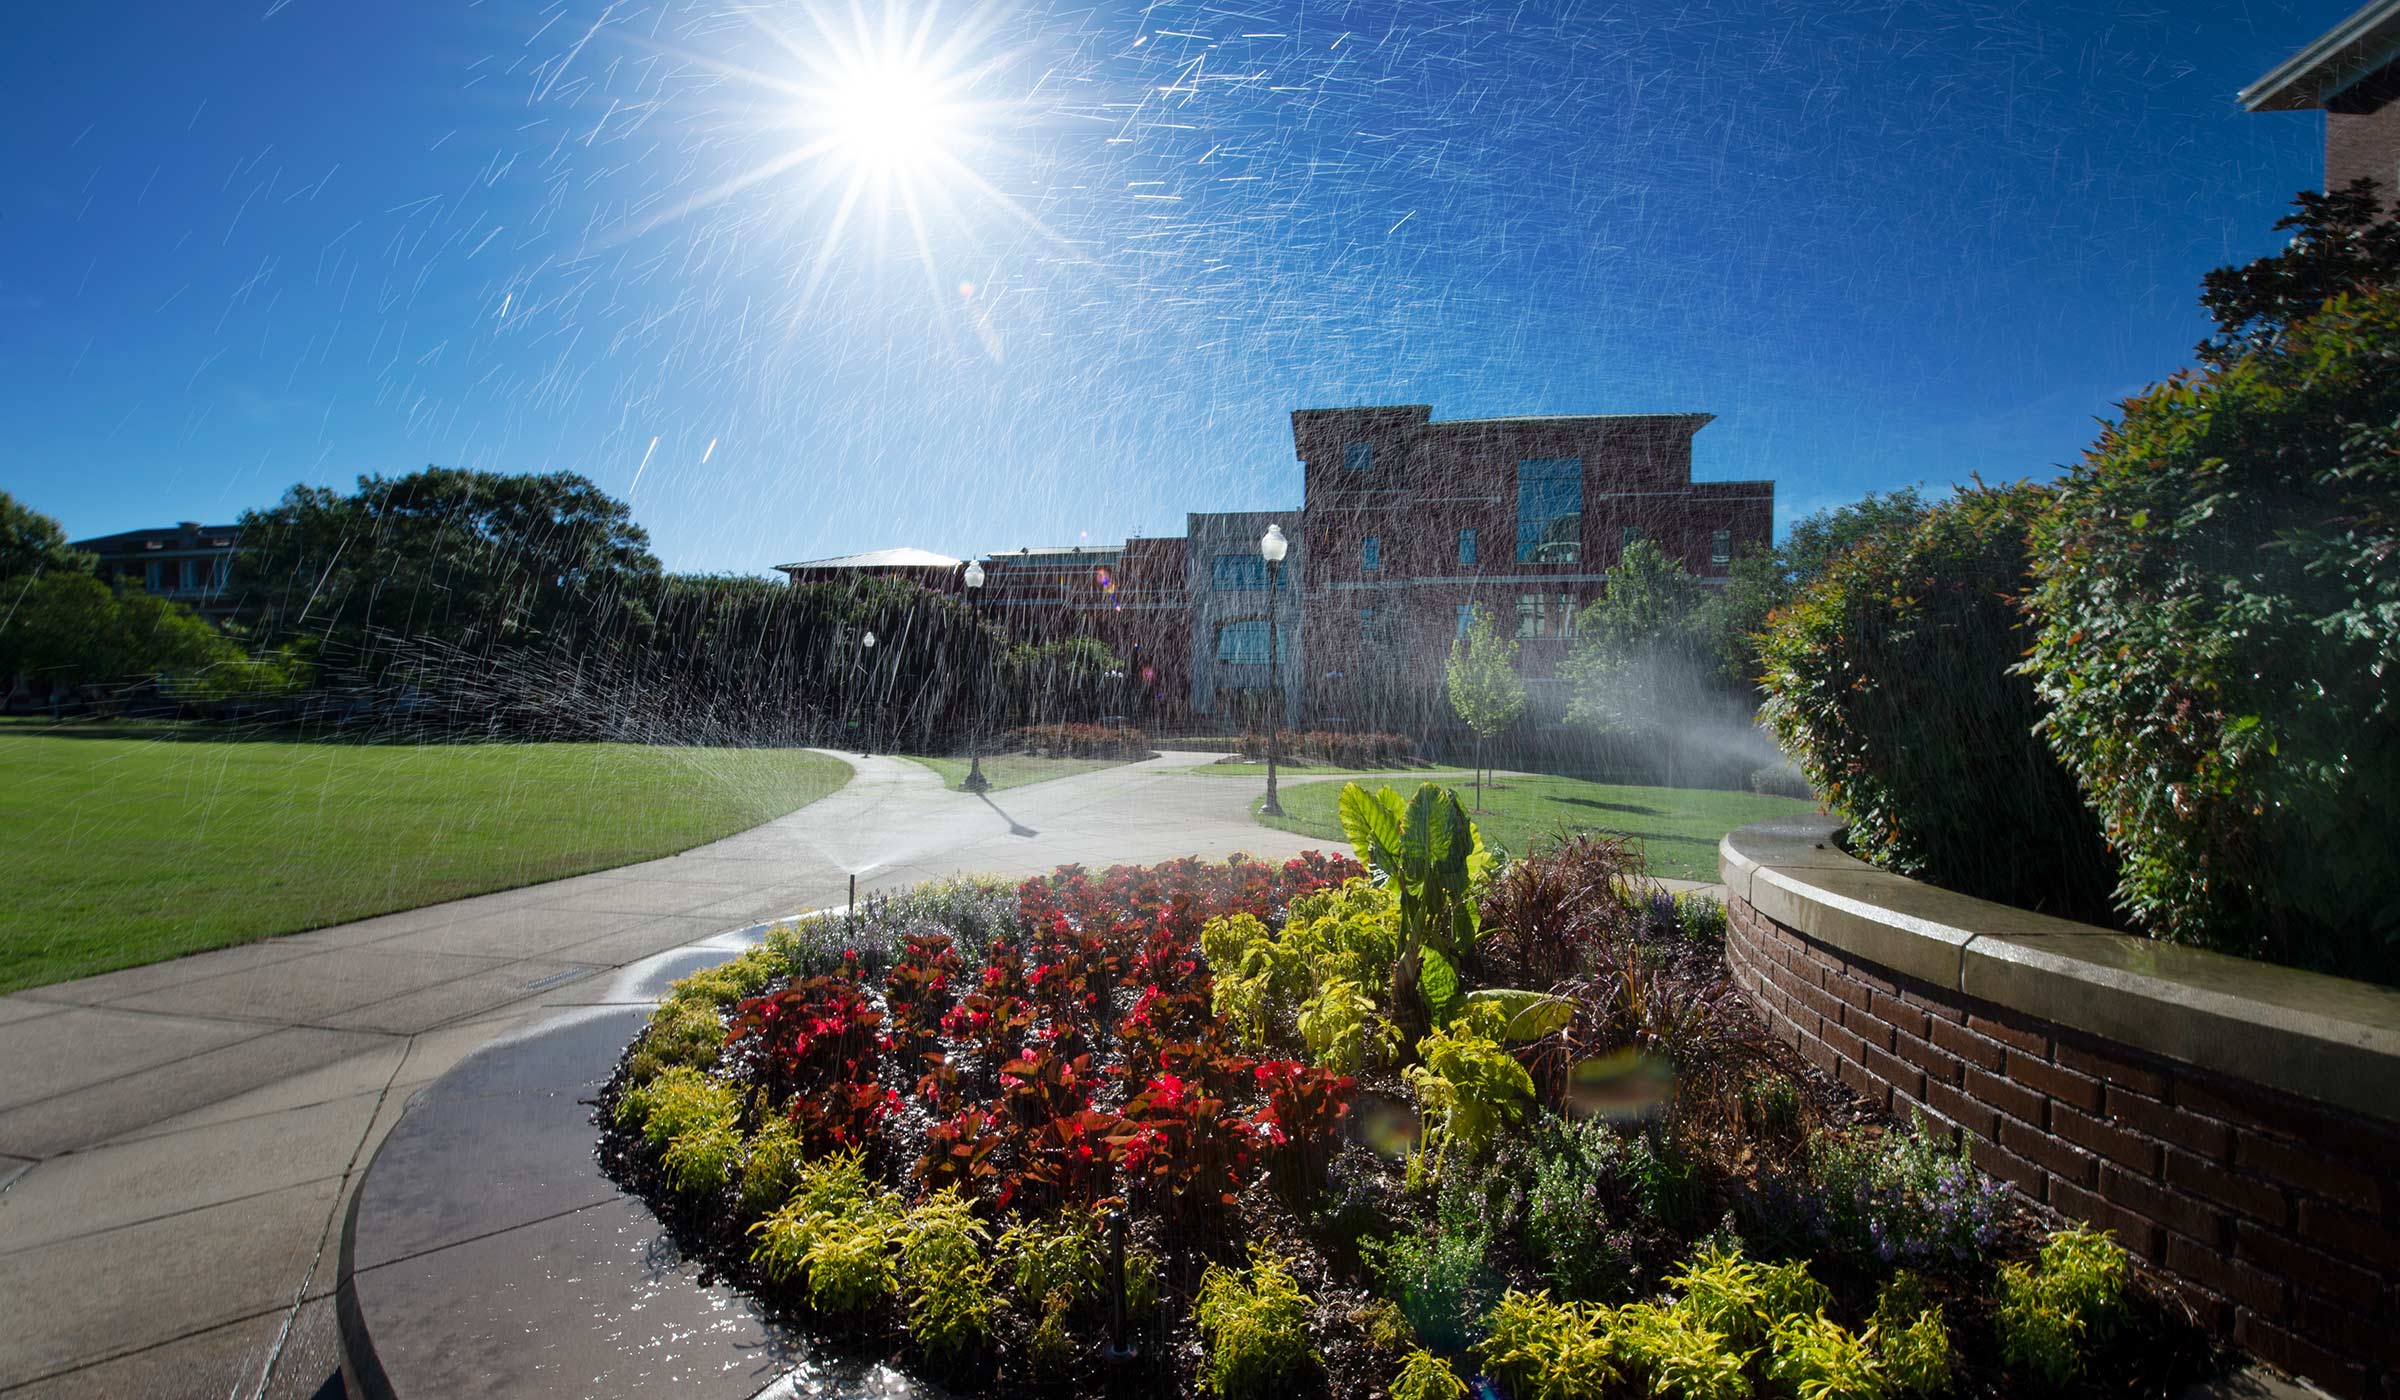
(1418, 842)
(1531, 1015)
(1373, 824)
(1437, 982)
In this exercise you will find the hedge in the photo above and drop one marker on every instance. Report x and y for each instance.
(2219, 613)
(1890, 682)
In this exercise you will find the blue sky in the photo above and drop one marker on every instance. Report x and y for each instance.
(259, 242)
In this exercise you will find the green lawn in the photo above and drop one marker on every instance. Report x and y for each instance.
(1010, 770)
(1302, 770)
(159, 840)
(1679, 827)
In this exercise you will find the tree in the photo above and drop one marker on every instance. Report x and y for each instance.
(1641, 663)
(2340, 243)
(468, 563)
(32, 543)
(1764, 579)
(1485, 690)
(71, 629)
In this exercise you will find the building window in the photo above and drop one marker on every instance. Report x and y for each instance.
(1545, 616)
(1370, 553)
(1358, 456)
(1550, 510)
(1628, 537)
(1720, 548)
(1466, 546)
(1235, 573)
(1466, 619)
(154, 577)
(1245, 643)
(1366, 627)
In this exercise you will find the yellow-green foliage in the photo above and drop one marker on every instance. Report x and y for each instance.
(685, 1034)
(1819, 1359)
(2048, 1312)
(772, 1167)
(1741, 1299)
(1911, 1337)
(736, 979)
(942, 1259)
(1051, 1348)
(676, 1100)
(1425, 1376)
(702, 1157)
(1056, 1257)
(1549, 1351)
(1469, 1082)
(1254, 1323)
(837, 1228)
(1350, 934)
(1670, 1354)
(1340, 1028)
(1141, 1283)
(1387, 1327)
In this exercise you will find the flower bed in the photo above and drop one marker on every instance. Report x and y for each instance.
(1079, 741)
(1341, 1145)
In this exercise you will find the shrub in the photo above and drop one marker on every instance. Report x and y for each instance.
(1425, 1376)
(1056, 1258)
(1255, 1325)
(1549, 1351)
(949, 1279)
(702, 1156)
(1821, 1360)
(1772, 1106)
(1080, 741)
(1470, 1084)
(1911, 1337)
(1780, 780)
(772, 1166)
(1335, 748)
(1891, 682)
(1671, 1355)
(1340, 1028)
(1440, 1276)
(838, 1229)
(2047, 1312)
(1580, 1176)
(1742, 1299)
(676, 1101)
(680, 1034)
(2219, 618)
(1906, 1199)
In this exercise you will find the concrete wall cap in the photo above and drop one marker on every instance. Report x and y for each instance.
(2325, 1039)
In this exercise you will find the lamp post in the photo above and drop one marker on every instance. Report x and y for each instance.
(975, 782)
(866, 731)
(1272, 546)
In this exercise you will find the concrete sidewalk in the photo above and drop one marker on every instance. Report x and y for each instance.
(177, 1142)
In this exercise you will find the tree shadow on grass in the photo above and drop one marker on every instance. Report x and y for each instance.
(1630, 809)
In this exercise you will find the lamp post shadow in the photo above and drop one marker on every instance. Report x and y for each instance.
(1013, 829)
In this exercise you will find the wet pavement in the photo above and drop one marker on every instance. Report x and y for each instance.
(179, 1143)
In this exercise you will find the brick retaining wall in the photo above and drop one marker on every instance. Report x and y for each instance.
(2278, 1216)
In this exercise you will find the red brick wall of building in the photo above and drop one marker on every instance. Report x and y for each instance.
(2362, 136)
(2278, 1219)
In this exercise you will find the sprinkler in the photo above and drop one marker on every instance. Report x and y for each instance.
(1119, 1351)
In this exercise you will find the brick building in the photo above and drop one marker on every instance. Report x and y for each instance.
(2352, 74)
(189, 563)
(1405, 524)
(1413, 522)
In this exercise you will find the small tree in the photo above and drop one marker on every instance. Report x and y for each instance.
(1485, 689)
(1642, 662)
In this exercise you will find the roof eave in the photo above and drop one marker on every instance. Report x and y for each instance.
(2365, 42)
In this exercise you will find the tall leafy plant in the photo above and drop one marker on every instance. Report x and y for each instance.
(1426, 850)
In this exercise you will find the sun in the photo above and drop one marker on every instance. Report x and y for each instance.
(891, 118)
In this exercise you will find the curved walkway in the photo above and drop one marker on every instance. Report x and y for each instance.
(178, 1141)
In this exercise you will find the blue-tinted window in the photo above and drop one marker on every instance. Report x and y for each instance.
(1358, 456)
(1466, 546)
(1720, 547)
(1231, 573)
(1629, 536)
(1550, 510)
(1466, 618)
(1245, 643)
(1370, 553)
(1366, 626)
